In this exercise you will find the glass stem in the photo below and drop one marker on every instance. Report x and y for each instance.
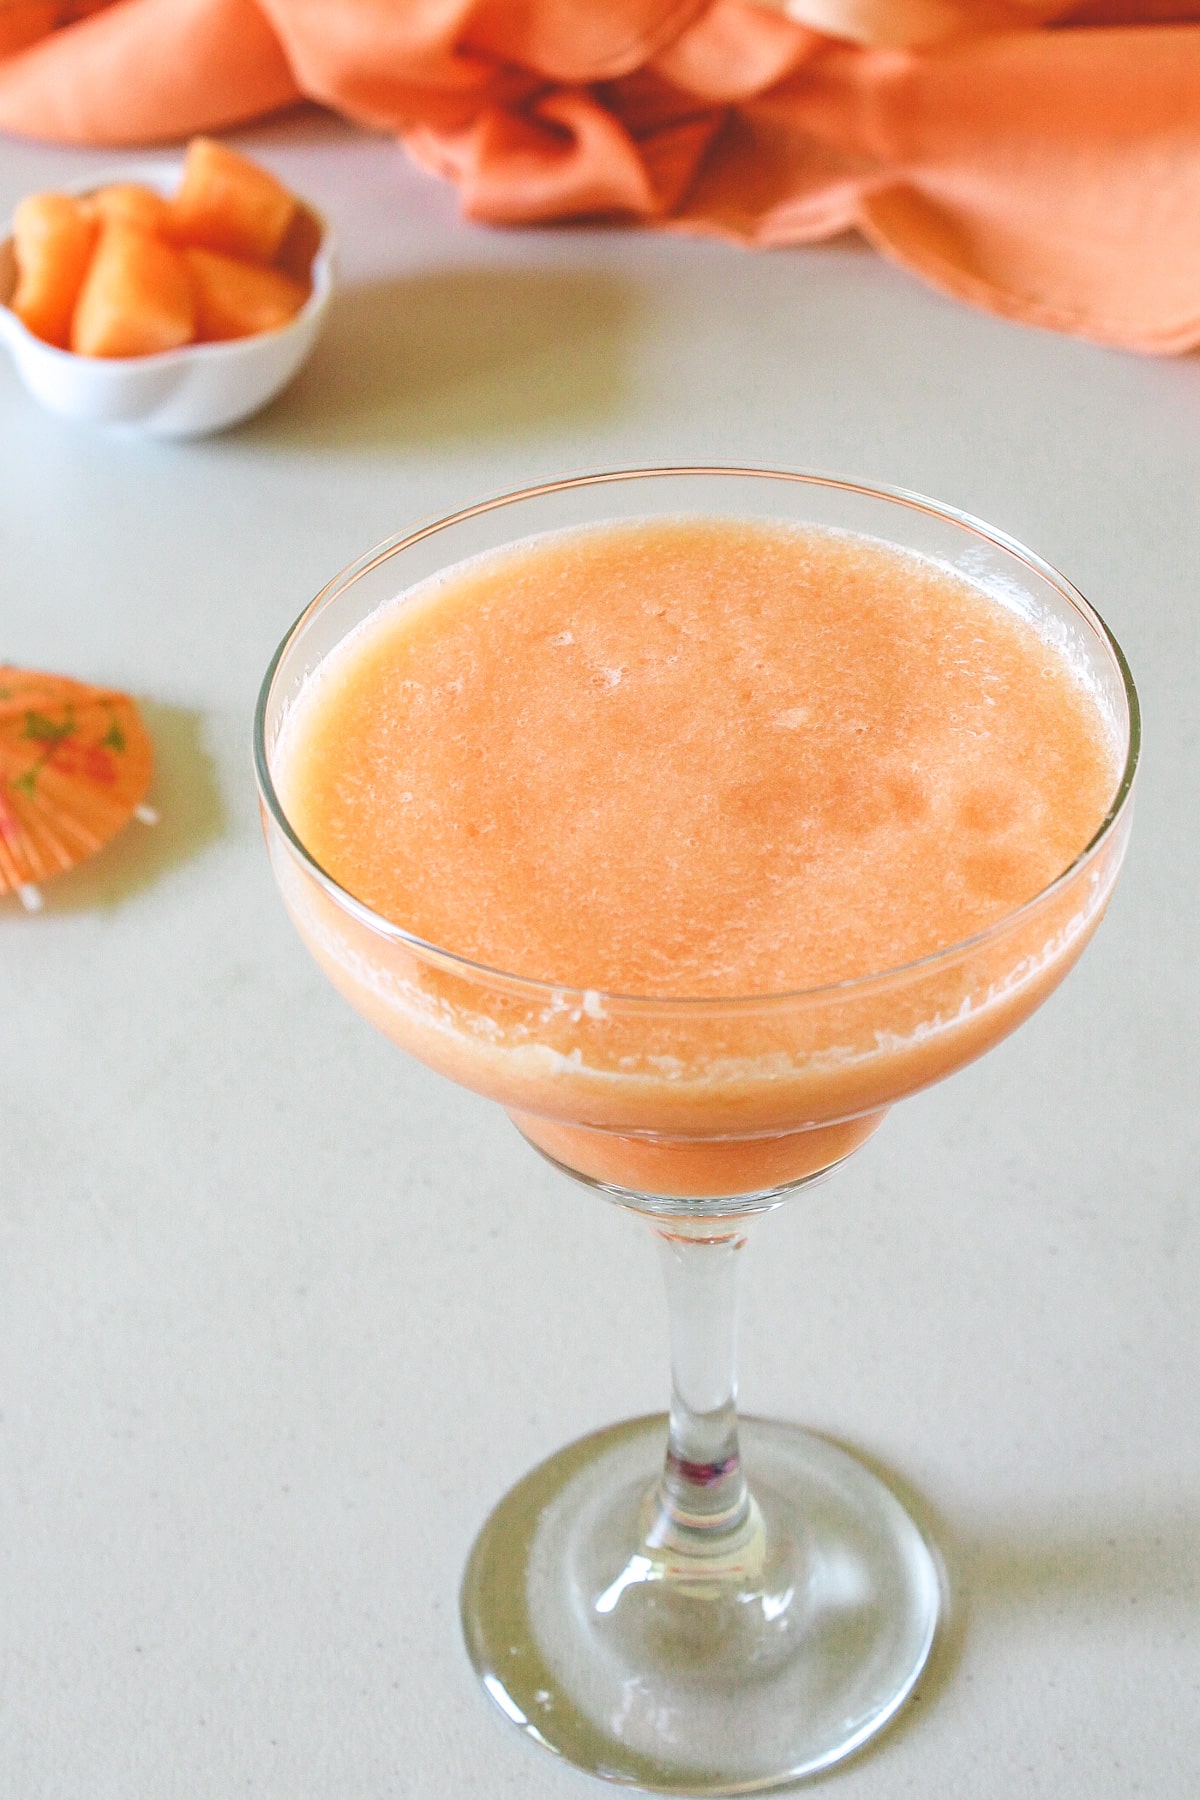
(702, 1510)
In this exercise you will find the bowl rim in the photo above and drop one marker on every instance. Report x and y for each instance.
(157, 173)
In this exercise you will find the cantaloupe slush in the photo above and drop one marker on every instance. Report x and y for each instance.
(704, 838)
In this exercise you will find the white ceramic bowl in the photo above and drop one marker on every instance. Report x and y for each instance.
(181, 393)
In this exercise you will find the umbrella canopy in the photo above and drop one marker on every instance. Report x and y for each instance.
(75, 763)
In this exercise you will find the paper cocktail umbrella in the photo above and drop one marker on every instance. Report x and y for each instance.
(75, 763)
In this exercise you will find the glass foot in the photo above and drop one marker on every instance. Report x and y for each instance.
(658, 1673)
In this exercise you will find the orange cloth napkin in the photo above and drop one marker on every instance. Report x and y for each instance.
(1036, 158)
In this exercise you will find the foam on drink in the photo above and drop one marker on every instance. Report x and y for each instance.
(696, 757)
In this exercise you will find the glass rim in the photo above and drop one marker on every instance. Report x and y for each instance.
(555, 992)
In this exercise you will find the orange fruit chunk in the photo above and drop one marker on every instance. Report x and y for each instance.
(124, 272)
(130, 202)
(227, 203)
(23, 22)
(52, 239)
(240, 299)
(301, 241)
(136, 299)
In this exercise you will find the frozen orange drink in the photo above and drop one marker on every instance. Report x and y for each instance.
(678, 821)
(696, 815)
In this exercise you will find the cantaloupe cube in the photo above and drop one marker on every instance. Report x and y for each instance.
(23, 22)
(136, 299)
(301, 241)
(227, 203)
(130, 202)
(53, 240)
(239, 299)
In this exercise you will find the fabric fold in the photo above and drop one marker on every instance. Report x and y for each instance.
(1034, 157)
(147, 71)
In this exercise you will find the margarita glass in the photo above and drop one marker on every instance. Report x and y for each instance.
(749, 1604)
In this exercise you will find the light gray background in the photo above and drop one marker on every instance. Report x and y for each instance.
(281, 1314)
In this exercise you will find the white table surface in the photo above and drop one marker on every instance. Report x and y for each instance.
(282, 1314)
